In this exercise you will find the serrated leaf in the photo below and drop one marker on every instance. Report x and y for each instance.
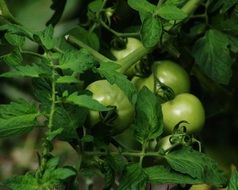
(45, 37)
(197, 165)
(233, 183)
(142, 6)
(149, 122)
(15, 39)
(69, 118)
(52, 178)
(151, 31)
(58, 7)
(89, 38)
(34, 71)
(76, 61)
(17, 118)
(163, 175)
(27, 182)
(133, 179)
(67, 80)
(13, 59)
(16, 29)
(86, 101)
(212, 55)
(109, 71)
(171, 12)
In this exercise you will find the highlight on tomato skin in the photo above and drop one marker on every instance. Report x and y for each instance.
(111, 95)
(184, 107)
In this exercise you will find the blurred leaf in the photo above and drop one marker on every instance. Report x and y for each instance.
(163, 175)
(86, 101)
(197, 165)
(233, 183)
(95, 5)
(233, 42)
(15, 39)
(17, 118)
(76, 61)
(212, 55)
(149, 122)
(26, 182)
(16, 29)
(133, 179)
(14, 58)
(151, 31)
(171, 12)
(67, 80)
(109, 71)
(45, 37)
(223, 5)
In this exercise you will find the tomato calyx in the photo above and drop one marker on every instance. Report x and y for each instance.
(119, 43)
(107, 117)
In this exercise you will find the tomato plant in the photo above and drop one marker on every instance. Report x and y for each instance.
(111, 95)
(185, 107)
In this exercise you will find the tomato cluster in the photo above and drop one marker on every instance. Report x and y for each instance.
(165, 75)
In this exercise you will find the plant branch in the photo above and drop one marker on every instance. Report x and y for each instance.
(119, 34)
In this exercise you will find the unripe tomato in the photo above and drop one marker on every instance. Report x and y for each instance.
(170, 74)
(111, 95)
(131, 45)
(184, 107)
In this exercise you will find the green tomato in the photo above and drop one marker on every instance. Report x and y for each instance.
(169, 73)
(111, 95)
(132, 45)
(184, 107)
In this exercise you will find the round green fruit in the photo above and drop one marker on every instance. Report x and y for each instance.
(184, 107)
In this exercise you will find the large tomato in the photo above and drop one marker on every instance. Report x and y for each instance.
(170, 74)
(184, 107)
(111, 95)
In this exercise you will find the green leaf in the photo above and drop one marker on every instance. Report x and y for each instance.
(109, 176)
(13, 59)
(95, 5)
(223, 5)
(69, 118)
(67, 80)
(86, 101)
(109, 71)
(171, 12)
(142, 6)
(133, 179)
(233, 42)
(212, 55)
(17, 118)
(15, 39)
(53, 178)
(233, 183)
(151, 31)
(34, 71)
(16, 29)
(149, 122)
(76, 61)
(45, 37)
(26, 182)
(89, 38)
(52, 134)
(197, 165)
(163, 175)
